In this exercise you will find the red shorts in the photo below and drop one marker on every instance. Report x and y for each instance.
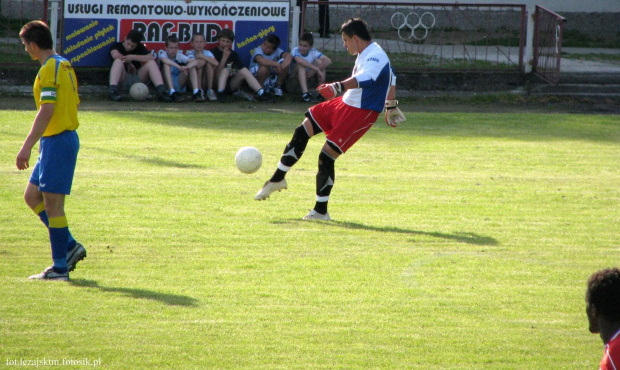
(343, 124)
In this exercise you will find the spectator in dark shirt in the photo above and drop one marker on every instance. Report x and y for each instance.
(132, 62)
(230, 73)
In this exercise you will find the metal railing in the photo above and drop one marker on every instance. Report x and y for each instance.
(422, 36)
(548, 28)
(14, 14)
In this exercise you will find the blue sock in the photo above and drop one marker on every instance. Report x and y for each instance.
(60, 265)
(72, 242)
(43, 217)
(40, 211)
(59, 236)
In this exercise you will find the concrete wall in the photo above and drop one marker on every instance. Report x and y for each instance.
(604, 25)
(26, 9)
(578, 6)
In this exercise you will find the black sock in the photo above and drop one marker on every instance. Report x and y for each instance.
(292, 153)
(278, 175)
(324, 182)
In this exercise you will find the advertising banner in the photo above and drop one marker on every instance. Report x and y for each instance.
(90, 28)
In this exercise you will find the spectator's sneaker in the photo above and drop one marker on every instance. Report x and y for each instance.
(50, 274)
(263, 95)
(314, 215)
(199, 97)
(277, 91)
(264, 98)
(164, 98)
(177, 97)
(243, 95)
(211, 95)
(115, 96)
(309, 98)
(269, 188)
(75, 255)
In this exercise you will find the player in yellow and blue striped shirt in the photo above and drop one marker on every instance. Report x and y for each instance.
(57, 100)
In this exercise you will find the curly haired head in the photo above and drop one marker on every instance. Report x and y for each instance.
(604, 293)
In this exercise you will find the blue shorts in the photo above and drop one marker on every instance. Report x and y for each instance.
(55, 167)
(175, 72)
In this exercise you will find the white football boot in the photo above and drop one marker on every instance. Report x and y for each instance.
(50, 274)
(269, 188)
(314, 215)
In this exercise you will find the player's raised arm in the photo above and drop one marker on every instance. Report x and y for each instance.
(331, 90)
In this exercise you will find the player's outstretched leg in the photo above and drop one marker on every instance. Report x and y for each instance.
(292, 153)
(324, 184)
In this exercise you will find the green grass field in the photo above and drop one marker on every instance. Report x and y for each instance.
(458, 240)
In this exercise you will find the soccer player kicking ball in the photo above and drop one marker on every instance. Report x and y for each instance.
(343, 119)
(56, 97)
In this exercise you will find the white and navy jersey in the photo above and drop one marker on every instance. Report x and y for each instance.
(374, 76)
(191, 54)
(180, 59)
(274, 57)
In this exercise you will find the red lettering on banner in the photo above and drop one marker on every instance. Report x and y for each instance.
(156, 31)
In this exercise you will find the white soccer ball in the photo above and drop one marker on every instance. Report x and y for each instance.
(139, 91)
(248, 159)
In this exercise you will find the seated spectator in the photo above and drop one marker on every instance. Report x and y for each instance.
(270, 64)
(230, 72)
(205, 65)
(132, 62)
(177, 68)
(308, 64)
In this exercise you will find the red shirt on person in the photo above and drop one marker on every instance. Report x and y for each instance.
(611, 359)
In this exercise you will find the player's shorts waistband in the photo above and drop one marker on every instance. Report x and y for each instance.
(60, 133)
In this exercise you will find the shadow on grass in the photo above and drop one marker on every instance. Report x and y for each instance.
(461, 237)
(168, 299)
(156, 161)
(487, 116)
